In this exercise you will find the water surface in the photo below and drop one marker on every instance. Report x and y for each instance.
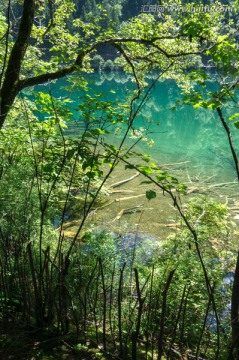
(186, 135)
(189, 143)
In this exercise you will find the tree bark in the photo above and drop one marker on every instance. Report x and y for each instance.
(10, 88)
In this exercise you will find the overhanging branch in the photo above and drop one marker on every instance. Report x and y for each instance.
(79, 60)
(229, 135)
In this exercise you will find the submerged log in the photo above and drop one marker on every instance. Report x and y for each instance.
(124, 181)
(194, 189)
(178, 163)
(171, 226)
(124, 211)
(120, 191)
(223, 184)
(129, 197)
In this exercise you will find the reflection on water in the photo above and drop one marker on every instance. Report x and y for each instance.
(185, 134)
(191, 144)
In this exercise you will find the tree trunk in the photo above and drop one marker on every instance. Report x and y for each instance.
(9, 89)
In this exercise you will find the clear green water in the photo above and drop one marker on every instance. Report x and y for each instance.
(194, 138)
(188, 135)
(185, 135)
(190, 144)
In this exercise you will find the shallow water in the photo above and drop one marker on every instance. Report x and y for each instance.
(193, 136)
(190, 144)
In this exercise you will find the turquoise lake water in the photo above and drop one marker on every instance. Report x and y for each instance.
(189, 143)
(194, 137)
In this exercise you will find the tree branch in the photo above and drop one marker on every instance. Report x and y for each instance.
(10, 84)
(78, 62)
(229, 135)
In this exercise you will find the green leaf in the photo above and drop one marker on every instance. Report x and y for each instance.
(199, 104)
(233, 117)
(70, 153)
(146, 170)
(146, 157)
(236, 123)
(222, 38)
(150, 194)
(128, 166)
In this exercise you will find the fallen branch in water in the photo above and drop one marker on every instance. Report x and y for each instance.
(178, 163)
(124, 211)
(223, 184)
(234, 208)
(129, 197)
(171, 226)
(120, 191)
(195, 189)
(208, 178)
(124, 181)
(105, 205)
